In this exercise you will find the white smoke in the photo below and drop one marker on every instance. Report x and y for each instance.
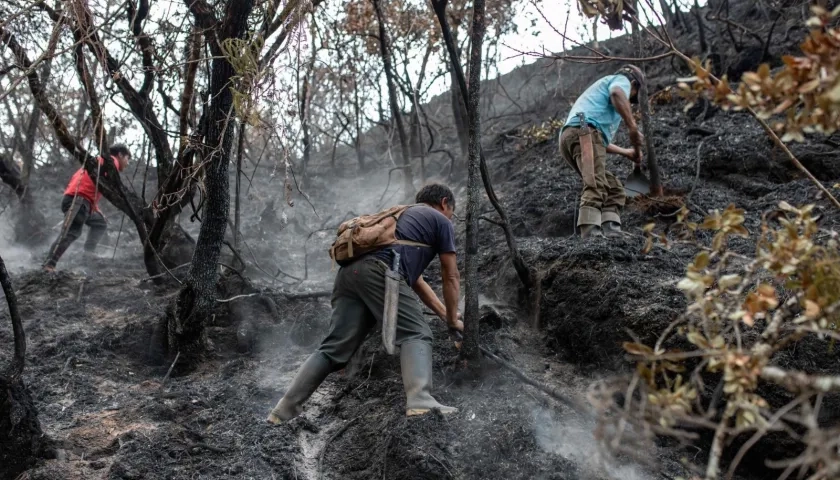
(15, 256)
(572, 439)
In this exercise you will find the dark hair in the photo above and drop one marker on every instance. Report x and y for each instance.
(434, 193)
(119, 149)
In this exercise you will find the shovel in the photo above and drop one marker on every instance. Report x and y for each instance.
(637, 183)
(392, 298)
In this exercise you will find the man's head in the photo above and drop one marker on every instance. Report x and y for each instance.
(439, 197)
(637, 80)
(121, 153)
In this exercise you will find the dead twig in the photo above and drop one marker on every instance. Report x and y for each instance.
(67, 363)
(81, 290)
(245, 295)
(490, 220)
(304, 295)
(168, 272)
(171, 367)
(552, 392)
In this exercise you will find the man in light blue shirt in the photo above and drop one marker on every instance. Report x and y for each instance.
(603, 106)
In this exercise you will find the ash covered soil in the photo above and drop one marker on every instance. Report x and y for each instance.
(113, 416)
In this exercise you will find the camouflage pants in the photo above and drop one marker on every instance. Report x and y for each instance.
(603, 199)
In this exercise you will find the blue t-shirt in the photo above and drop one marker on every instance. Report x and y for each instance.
(597, 108)
(424, 224)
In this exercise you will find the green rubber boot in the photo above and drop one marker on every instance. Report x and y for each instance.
(416, 366)
(313, 371)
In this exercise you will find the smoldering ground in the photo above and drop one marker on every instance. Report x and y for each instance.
(114, 416)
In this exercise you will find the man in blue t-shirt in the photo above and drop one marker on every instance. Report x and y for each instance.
(358, 302)
(603, 105)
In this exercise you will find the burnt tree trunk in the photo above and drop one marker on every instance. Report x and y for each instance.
(653, 166)
(237, 218)
(701, 28)
(459, 116)
(186, 316)
(384, 50)
(305, 98)
(304, 122)
(470, 349)
(357, 116)
(11, 176)
(357, 135)
(22, 441)
(522, 270)
(30, 224)
(29, 228)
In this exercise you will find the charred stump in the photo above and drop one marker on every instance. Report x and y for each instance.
(22, 441)
(185, 318)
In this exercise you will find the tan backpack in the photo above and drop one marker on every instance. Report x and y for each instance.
(367, 233)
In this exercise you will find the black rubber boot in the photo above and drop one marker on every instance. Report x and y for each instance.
(416, 366)
(611, 229)
(313, 371)
(591, 231)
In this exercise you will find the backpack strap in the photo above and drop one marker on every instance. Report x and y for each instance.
(412, 243)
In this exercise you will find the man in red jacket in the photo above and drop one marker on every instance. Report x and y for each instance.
(80, 207)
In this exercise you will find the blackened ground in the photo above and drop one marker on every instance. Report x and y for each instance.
(107, 406)
(113, 416)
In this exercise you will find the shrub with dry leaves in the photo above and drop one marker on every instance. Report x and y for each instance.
(743, 313)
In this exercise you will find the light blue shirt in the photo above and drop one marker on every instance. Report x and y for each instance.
(597, 108)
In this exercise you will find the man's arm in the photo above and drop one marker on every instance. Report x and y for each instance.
(622, 106)
(429, 298)
(451, 289)
(625, 152)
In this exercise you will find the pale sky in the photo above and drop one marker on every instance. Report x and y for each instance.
(535, 35)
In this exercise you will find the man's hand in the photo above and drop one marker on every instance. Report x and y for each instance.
(622, 106)
(636, 138)
(458, 325)
(631, 153)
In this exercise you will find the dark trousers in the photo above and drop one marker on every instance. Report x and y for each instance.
(358, 301)
(78, 214)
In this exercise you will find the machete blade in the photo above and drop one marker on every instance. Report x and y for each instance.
(389, 315)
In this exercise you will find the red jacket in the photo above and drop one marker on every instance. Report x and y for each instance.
(82, 185)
